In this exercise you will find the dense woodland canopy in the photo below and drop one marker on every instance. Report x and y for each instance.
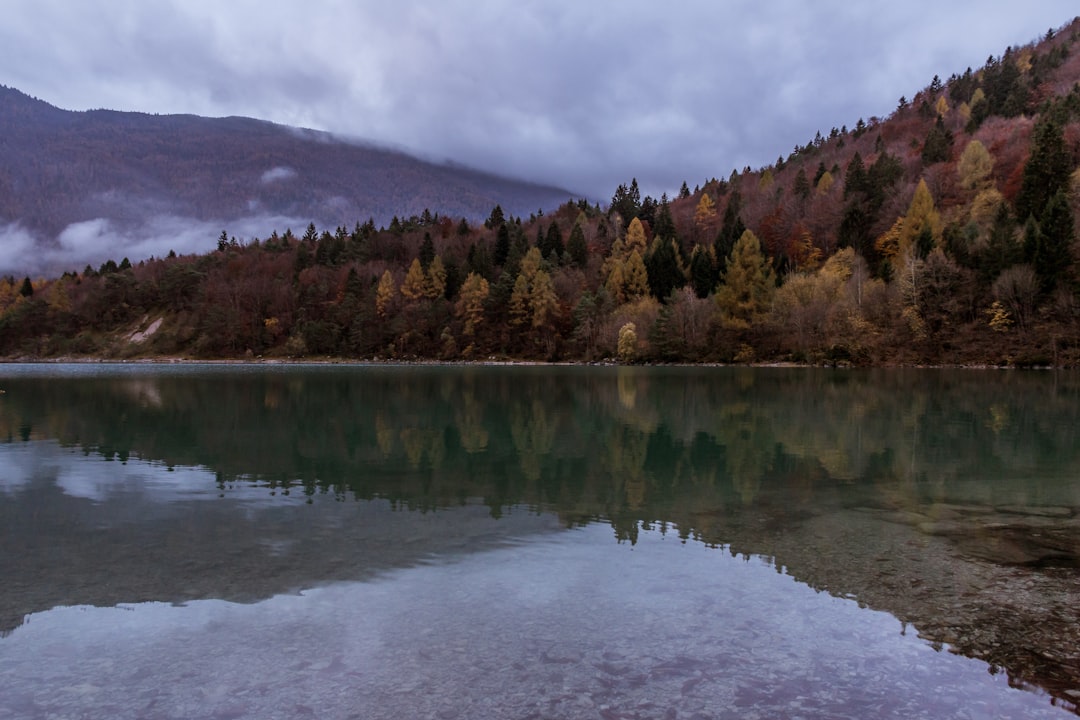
(945, 233)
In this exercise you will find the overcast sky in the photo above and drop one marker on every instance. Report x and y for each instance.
(576, 93)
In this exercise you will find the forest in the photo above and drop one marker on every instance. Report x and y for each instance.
(942, 234)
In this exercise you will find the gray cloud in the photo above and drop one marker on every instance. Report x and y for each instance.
(277, 174)
(93, 242)
(584, 95)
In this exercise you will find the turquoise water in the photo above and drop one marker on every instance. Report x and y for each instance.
(374, 541)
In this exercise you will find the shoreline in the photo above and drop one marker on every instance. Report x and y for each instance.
(376, 362)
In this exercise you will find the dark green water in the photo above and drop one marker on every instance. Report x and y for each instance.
(516, 542)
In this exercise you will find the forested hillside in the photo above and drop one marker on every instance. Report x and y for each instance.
(944, 233)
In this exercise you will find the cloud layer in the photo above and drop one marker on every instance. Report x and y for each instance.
(584, 95)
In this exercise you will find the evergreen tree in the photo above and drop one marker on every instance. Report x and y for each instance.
(1052, 259)
(1046, 171)
(801, 186)
(938, 143)
(496, 219)
(576, 247)
(703, 271)
(502, 245)
(664, 226)
(427, 251)
(731, 229)
(855, 178)
(552, 247)
(627, 201)
(664, 268)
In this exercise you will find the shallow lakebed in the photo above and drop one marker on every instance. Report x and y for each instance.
(474, 542)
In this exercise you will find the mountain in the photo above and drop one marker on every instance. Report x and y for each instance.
(945, 233)
(105, 178)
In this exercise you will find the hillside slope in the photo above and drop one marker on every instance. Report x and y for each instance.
(945, 233)
(146, 174)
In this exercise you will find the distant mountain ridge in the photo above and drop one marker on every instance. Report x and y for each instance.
(60, 168)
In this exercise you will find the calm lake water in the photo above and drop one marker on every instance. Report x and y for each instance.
(537, 542)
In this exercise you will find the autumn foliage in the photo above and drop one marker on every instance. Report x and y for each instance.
(945, 233)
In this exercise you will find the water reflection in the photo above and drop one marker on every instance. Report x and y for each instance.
(561, 628)
(947, 498)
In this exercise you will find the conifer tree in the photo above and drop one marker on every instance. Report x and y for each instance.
(1052, 258)
(427, 251)
(748, 284)
(415, 280)
(384, 293)
(664, 268)
(1046, 171)
(576, 248)
(470, 305)
(703, 271)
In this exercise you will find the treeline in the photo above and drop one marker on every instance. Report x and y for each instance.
(944, 233)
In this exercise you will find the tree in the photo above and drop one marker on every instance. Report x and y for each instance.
(543, 302)
(384, 293)
(1046, 171)
(435, 279)
(1052, 258)
(415, 280)
(552, 247)
(496, 219)
(748, 284)
(427, 251)
(627, 347)
(502, 245)
(1018, 289)
(731, 228)
(801, 186)
(470, 305)
(576, 248)
(519, 301)
(627, 201)
(974, 166)
(26, 290)
(635, 277)
(664, 268)
(921, 218)
(665, 224)
(704, 214)
(635, 238)
(703, 270)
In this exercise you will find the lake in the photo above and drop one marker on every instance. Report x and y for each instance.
(367, 541)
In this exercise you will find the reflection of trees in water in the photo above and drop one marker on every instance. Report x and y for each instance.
(775, 461)
(637, 445)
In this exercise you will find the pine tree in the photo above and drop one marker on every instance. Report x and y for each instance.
(664, 268)
(1046, 171)
(427, 251)
(553, 243)
(1053, 259)
(938, 143)
(576, 248)
(502, 245)
(703, 271)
